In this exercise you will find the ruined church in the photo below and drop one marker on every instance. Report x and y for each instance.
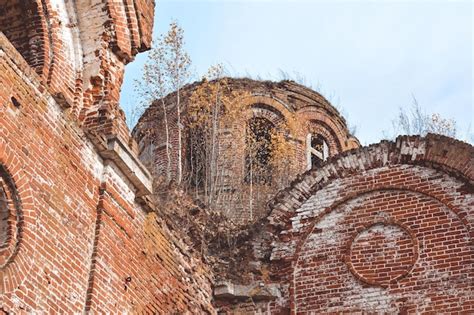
(386, 228)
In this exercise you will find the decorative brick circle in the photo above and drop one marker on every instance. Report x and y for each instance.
(382, 253)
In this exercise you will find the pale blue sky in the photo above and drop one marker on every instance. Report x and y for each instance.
(367, 56)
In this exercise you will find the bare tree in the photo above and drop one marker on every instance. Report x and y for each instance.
(211, 109)
(177, 67)
(221, 128)
(416, 121)
(154, 86)
(166, 70)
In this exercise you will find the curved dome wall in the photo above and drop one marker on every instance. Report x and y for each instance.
(301, 114)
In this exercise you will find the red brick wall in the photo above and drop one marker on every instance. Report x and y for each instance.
(80, 50)
(81, 241)
(386, 228)
(24, 25)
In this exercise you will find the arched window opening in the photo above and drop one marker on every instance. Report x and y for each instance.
(258, 151)
(317, 151)
(11, 221)
(4, 215)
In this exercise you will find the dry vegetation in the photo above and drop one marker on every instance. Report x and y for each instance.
(222, 244)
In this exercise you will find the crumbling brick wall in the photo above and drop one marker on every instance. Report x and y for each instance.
(79, 233)
(79, 49)
(28, 38)
(282, 104)
(386, 228)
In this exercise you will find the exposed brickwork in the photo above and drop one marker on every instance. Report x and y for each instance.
(279, 103)
(30, 38)
(78, 236)
(80, 49)
(381, 229)
(387, 228)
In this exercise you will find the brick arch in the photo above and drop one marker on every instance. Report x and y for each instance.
(310, 115)
(66, 70)
(319, 127)
(442, 198)
(265, 106)
(24, 23)
(264, 111)
(437, 169)
(11, 218)
(438, 152)
(281, 102)
(276, 110)
(370, 185)
(16, 267)
(422, 243)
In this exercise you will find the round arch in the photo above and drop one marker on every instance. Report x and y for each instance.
(25, 25)
(18, 256)
(272, 108)
(350, 195)
(358, 240)
(320, 127)
(317, 117)
(441, 199)
(435, 151)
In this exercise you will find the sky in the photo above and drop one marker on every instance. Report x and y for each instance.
(367, 57)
